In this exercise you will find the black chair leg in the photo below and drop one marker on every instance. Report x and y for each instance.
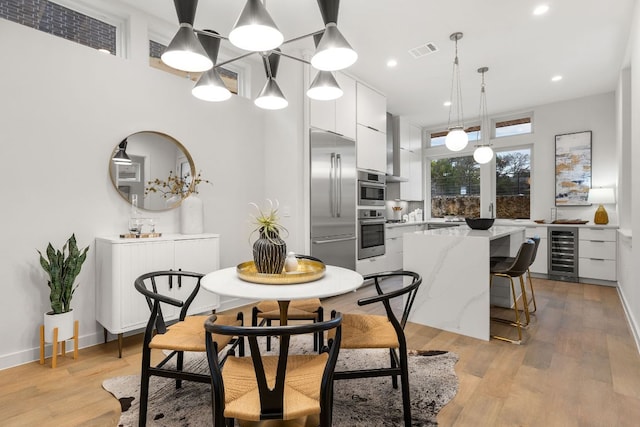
(406, 396)
(144, 387)
(394, 378)
(179, 366)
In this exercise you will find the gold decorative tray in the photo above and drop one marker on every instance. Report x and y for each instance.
(140, 236)
(308, 271)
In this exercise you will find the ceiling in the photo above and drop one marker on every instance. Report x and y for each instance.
(582, 40)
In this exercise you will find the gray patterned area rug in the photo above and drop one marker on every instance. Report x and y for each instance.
(370, 402)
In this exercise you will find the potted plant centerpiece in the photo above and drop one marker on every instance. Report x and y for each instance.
(62, 266)
(269, 250)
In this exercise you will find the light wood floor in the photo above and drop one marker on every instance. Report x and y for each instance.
(579, 367)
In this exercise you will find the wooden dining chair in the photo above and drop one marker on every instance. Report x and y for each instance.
(162, 290)
(265, 312)
(271, 387)
(367, 331)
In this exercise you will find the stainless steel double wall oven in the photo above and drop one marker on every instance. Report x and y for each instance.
(371, 214)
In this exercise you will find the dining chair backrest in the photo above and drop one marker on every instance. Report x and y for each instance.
(522, 261)
(271, 394)
(384, 296)
(156, 287)
(536, 241)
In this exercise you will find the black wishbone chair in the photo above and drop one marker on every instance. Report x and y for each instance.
(367, 331)
(184, 334)
(272, 387)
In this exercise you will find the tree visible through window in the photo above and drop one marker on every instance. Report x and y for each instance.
(513, 189)
(455, 187)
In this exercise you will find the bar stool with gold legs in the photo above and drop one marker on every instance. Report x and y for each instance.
(517, 268)
(502, 259)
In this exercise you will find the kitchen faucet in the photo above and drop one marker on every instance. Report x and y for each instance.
(490, 209)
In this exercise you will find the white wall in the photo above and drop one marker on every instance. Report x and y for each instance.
(595, 113)
(65, 107)
(629, 105)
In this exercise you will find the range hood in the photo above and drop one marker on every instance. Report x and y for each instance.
(393, 150)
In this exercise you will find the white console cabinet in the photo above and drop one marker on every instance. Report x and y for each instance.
(119, 306)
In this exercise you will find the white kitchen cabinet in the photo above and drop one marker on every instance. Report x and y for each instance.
(120, 307)
(410, 161)
(597, 248)
(372, 265)
(371, 108)
(394, 242)
(540, 264)
(371, 149)
(337, 116)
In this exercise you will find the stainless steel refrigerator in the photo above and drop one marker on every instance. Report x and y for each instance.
(333, 199)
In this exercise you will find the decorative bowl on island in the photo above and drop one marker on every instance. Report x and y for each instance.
(480, 223)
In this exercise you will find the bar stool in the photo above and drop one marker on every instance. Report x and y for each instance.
(517, 268)
(496, 260)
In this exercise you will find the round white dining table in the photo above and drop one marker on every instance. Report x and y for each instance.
(336, 281)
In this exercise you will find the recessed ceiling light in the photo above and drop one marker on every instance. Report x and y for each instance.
(447, 103)
(392, 63)
(556, 78)
(541, 9)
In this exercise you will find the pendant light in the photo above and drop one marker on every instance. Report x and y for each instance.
(483, 152)
(324, 87)
(185, 51)
(271, 97)
(255, 30)
(121, 157)
(333, 52)
(210, 86)
(457, 138)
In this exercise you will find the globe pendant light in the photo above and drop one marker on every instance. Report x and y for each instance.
(185, 51)
(255, 30)
(457, 138)
(210, 86)
(483, 152)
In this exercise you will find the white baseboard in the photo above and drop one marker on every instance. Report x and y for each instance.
(633, 322)
(33, 354)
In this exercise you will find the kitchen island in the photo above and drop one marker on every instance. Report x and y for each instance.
(454, 265)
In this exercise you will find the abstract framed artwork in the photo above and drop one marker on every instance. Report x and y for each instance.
(573, 168)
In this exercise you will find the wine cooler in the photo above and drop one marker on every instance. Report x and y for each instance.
(563, 253)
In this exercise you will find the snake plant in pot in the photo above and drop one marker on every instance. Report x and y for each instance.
(62, 266)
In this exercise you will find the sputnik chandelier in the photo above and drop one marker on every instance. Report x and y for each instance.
(194, 50)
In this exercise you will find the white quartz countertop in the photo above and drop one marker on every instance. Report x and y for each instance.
(501, 222)
(464, 231)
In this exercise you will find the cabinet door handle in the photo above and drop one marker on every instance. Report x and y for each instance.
(597, 241)
(372, 128)
(170, 280)
(596, 259)
(179, 280)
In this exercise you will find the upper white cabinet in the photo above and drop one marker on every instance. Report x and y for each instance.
(410, 160)
(337, 116)
(371, 108)
(119, 306)
(371, 138)
(371, 149)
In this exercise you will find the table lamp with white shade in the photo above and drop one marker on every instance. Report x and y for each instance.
(601, 196)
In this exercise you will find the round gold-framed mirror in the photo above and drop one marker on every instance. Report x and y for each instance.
(152, 169)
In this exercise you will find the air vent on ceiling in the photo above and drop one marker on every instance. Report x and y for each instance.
(422, 50)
